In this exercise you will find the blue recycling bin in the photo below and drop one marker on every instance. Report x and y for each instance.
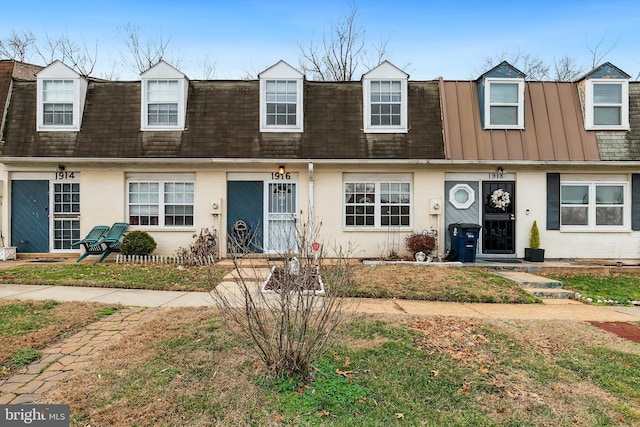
(464, 240)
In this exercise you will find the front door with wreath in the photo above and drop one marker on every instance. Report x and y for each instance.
(498, 218)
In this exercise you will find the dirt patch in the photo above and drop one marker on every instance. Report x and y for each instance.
(622, 329)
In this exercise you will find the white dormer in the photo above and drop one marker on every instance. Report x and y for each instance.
(384, 92)
(281, 100)
(606, 98)
(60, 98)
(164, 98)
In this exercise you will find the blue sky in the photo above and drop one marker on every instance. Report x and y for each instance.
(427, 39)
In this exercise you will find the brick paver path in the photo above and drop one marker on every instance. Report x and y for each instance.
(70, 354)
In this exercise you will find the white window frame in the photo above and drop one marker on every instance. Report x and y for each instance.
(179, 100)
(161, 203)
(74, 101)
(592, 205)
(470, 193)
(376, 204)
(264, 126)
(488, 104)
(368, 103)
(590, 105)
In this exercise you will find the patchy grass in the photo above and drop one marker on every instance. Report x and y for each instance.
(381, 281)
(28, 326)
(183, 368)
(156, 276)
(615, 288)
(435, 284)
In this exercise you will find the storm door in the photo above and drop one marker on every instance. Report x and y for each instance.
(498, 218)
(66, 215)
(281, 217)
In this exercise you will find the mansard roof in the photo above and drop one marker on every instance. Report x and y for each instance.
(223, 122)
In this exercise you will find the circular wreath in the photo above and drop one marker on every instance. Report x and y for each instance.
(500, 199)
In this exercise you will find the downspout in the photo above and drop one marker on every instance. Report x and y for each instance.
(311, 207)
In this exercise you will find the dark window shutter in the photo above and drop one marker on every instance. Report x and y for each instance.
(635, 201)
(553, 201)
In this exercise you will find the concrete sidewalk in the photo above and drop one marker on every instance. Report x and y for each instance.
(550, 310)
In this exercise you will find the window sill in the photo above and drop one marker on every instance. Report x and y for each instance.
(385, 229)
(162, 228)
(386, 130)
(595, 230)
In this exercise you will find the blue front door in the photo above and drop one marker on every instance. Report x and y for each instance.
(30, 216)
(245, 212)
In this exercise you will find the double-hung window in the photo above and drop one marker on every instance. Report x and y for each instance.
(282, 101)
(504, 103)
(377, 204)
(607, 104)
(593, 205)
(57, 102)
(385, 97)
(386, 103)
(161, 203)
(163, 97)
(60, 95)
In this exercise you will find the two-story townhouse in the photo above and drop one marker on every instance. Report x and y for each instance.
(171, 156)
(566, 152)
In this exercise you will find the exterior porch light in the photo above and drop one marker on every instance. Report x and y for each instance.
(281, 169)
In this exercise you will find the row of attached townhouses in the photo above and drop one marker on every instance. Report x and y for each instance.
(369, 161)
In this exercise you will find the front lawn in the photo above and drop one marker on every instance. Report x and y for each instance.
(187, 368)
(615, 288)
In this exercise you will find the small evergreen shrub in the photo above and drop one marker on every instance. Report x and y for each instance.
(534, 240)
(138, 243)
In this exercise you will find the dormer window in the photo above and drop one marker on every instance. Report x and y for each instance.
(385, 99)
(60, 98)
(501, 97)
(607, 104)
(57, 102)
(504, 103)
(606, 98)
(164, 98)
(281, 101)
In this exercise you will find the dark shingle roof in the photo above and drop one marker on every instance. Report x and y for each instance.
(223, 122)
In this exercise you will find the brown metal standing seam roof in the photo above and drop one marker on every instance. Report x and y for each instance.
(554, 129)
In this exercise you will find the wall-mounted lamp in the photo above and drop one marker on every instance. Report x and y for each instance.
(500, 172)
(61, 168)
(281, 169)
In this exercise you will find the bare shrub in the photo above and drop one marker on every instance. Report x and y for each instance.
(204, 249)
(291, 325)
(420, 242)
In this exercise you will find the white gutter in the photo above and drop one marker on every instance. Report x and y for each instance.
(387, 162)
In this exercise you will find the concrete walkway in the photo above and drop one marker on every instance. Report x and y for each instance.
(550, 310)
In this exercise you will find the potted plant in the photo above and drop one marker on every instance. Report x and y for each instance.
(6, 252)
(533, 253)
(420, 245)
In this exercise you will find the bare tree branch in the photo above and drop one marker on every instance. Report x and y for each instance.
(145, 54)
(17, 46)
(343, 50)
(598, 52)
(566, 69)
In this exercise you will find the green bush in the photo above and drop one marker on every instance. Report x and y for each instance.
(138, 243)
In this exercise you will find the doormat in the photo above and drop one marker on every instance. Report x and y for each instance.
(622, 329)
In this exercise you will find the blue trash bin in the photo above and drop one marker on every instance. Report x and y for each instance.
(464, 240)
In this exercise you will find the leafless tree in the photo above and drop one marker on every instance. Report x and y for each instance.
(17, 45)
(341, 52)
(599, 52)
(293, 315)
(566, 69)
(142, 55)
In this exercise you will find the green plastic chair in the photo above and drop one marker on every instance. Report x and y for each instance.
(88, 243)
(111, 241)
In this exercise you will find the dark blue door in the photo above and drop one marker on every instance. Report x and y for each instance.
(245, 213)
(30, 216)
